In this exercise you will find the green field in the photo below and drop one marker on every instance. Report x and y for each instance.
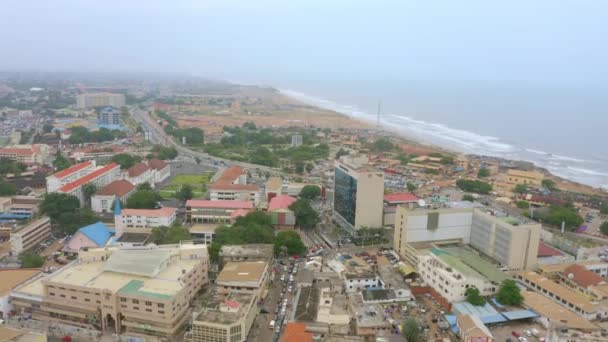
(198, 183)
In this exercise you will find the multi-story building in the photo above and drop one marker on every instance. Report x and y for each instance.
(135, 292)
(162, 170)
(296, 140)
(358, 195)
(472, 329)
(525, 177)
(251, 252)
(205, 211)
(102, 201)
(227, 321)
(26, 237)
(12, 278)
(509, 240)
(72, 173)
(242, 277)
(142, 220)
(140, 173)
(92, 100)
(232, 186)
(99, 177)
(27, 154)
(108, 116)
(361, 281)
(20, 207)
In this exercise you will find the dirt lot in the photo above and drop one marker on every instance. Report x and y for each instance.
(503, 331)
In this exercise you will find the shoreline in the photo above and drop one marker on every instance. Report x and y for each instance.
(395, 132)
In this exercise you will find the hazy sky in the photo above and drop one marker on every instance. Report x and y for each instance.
(538, 40)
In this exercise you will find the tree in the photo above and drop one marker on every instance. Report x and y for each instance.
(549, 184)
(604, 228)
(509, 293)
(299, 167)
(412, 330)
(57, 204)
(61, 162)
(476, 186)
(468, 197)
(306, 216)
(11, 166)
(214, 251)
(520, 189)
(7, 189)
(310, 192)
(411, 187)
(291, 241)
(403, 159)
(197, 160)
(483, 173)
(89, 190)
(263, 156)
(126, 160)
(170, 235)
(341, 152)
(557, 215)
(249, 125)
(382, 145)
(69, 223)
(31, 260)
(604, 209)
(184, 193)
(474, 297)
(144, 186)
(143, 199)
(309, 167)
(523, 204)
(47, 128)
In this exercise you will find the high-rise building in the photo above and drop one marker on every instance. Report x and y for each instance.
(358, 194)
(92, 100)
(296, 140)
(108, 116)
(511, 241)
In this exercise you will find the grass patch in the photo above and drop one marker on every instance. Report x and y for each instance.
(198, 182)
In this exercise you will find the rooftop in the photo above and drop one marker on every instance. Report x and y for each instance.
(12, 278)
(308, 304)
(138, 169)
(468, 263)
(134, 237)
(559, 290)
(281, 202)
(582, 276)
(473, 327)
(274, 184)
(296, 332)
(228, 186)
(97, 232)
(143, 262)
(118, 188)
(162, 212)
(555, 312)
(545, 250)
(88, 177)
(400, 197)
(219, 204)
(157, 164)
(230, 175)
(262, 251)
(73, 169)
(246, 271)
(230, 311)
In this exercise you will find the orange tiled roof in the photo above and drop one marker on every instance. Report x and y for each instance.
(88, 178)
(72, 169)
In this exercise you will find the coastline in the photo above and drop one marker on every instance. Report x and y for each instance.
(353, 113)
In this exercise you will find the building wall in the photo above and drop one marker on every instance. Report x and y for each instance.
(525, 177)
(162, 174)
(79, 240)
(30, 235)
(204, 331)
(354, 284)
(234, 195)
(370, 196)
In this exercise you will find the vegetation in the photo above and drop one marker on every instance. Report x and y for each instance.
(162, 152)
(341, 152)
(520, 189)
(604, 209)
(170, 235)
(126, 160)
(523, 204)
(255, 227)
(47, 128)
(476, 186)
(65, 212)
(198, 184)
(306, 216)
(82, 135)
(193, 135)
(184, 193)
(382, 145)
(483, 173)
(143, 199)
(604, 228)
(31, 260)
(7, 189)
(411, 187)
(557, 215)
(88, 190)
(549, 184)
(310, 192)
(369, 236)
(509, 293)
(289, 241)
(11, 166)
(474, 297)
(468, 197)
(144, 186)
(412, 331)
(61, 162)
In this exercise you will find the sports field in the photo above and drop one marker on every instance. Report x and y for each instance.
(198, 183)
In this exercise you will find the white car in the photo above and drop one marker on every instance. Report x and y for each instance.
(283, 277)
(290, 289)
(522, 339)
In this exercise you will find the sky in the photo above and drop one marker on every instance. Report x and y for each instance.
(553, 41)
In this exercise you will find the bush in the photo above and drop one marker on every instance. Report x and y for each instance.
(509, 293)
(474, 297)
(604, 228)
(31, 260)
(523, 204)
(469, 198)
(476, 186)
(483, 172)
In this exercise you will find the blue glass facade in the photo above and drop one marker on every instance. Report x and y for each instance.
(345, 195)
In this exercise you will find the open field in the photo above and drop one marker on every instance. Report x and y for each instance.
(198, 182)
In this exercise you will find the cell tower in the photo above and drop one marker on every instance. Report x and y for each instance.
(378, 126)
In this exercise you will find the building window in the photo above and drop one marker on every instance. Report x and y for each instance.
(123, 299)
(135, 301)
(161, 305)
(148, 303)
(136, 308)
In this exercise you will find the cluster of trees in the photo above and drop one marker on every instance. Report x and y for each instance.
(184, 193)
(520, 189)
(238, 136)
(126, 160)
(193, 135)
(549, 184)
(468, 197)
(558, 214)
(11, 166)
(170, 235)
(306, 216)
(163, 115)
(446, 160)
(263, 156)
(483, 173)
(508, 294)
(83, 135)
(304, 153)
(310, 192)
(523, 204)
(31, 260)
(604, 228)
(61, 162)
(412, 331)
(143, 198)
(604, 209)
(475, 186)
(474, 296)
(162, 152)
(65, 212)
(382, 145)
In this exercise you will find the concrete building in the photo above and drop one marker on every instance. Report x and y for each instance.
(135, 292)
(227, 321)
(296, 140)
(108, 116)
(247, 277)
(358, 195)
(354, 282)
(274, 187)
(525, 177)
(72, 173)
(12, 278)
(140, 173)
(143, 220)
(30, 235)
(27, 154)
(99, 177)
(92, 100)
(251, 252)
(203, 233)
(280, 215)
(220, 211)
(102, 201)
(91, 236)
(509, 240)
(472, 329)
(20, 207)
(162, 170)
(234, 192)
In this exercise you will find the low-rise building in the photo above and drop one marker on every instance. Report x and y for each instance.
(12, 278)
(219, 211)
(227, 321)
(232, 185)
(27, 154)
(251, 252)
(30, 235)
(471, 329)
(361, 281)
(280, 215)
(525, 177)
(162, 170)
(135, 292)
(102, 201)
(143, 220)
(140, 173)
(72, 173)
(92, 236)
(99, 177)
(203, 233)
(273, 187)
(242, 277)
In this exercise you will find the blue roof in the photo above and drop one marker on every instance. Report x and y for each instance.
(117, 207)
(98, 232)
(519, 314)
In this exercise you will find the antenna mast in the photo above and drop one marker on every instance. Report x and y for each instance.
(378, 117)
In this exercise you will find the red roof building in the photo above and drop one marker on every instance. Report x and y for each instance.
(118, 188)
(400, 198)
(280, 202)
(89, 178)
(221, 211)
(137, 169)
(582, 276)
(296, 332)
(73, 169)
(545, 250)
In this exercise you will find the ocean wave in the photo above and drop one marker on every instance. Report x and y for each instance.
(460, 140)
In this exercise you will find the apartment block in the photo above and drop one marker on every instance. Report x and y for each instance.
(92, 100)
(525, 177)
(63, 177)
(30, 235)
(358, 194)
(232, 186)
(242, 277)
(108, 116)
(99, 177)
(142, 220)
(134, 292)
(219, 211)
(27, 154)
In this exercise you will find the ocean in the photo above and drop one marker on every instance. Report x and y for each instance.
(560, 128)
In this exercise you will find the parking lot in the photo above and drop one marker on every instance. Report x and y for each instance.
(502, 332)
